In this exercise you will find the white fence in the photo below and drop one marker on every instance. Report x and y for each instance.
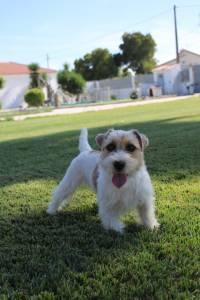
(105, 94)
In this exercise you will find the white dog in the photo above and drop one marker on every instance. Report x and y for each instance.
(117, 174)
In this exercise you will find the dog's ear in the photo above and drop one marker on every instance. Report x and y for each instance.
(145, 140)
(102, 136)
(142, 139)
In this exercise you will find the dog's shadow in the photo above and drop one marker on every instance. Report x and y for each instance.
(45, 248)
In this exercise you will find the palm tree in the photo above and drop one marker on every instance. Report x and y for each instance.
(34, 75)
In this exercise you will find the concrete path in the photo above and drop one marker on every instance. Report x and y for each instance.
(75, 110)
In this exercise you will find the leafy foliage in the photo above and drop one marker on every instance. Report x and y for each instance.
(137, 52)
(99, 64)
(71, 81)
(34, 97)
(134, 95)
(113, 97)
(66, 67)
(34, 75)
(2, 82)
(38, 79)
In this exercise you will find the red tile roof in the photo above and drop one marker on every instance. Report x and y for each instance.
(12, 68)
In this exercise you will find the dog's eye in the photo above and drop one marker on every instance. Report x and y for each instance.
(111, 147)
(130, 147)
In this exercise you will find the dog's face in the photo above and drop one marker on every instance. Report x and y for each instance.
(121, 153)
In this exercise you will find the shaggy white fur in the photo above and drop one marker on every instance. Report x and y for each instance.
(117, 174)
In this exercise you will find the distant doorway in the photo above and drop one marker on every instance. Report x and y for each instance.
(151, 92)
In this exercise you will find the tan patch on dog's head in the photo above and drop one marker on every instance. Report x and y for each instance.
(123, 145)
(114, 140)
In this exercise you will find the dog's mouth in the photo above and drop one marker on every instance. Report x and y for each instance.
(119, 179)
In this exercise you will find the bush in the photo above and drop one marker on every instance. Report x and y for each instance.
(134, 95)
(34, 97)
(113, 97)
(71, 82)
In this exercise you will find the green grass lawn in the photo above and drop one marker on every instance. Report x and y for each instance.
(8, 115)
(70, 256)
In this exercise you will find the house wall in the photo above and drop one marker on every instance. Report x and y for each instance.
(178, 80)
(169, 80)
(12, 95)
(196, 78)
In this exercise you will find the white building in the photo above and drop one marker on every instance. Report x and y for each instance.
(179, 79)
(17, 79)
(168, 78)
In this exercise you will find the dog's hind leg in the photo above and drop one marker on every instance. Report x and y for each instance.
(63, 193)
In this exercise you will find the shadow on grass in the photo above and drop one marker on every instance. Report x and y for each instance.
(173, 152)
(71, 253)
(40, 252)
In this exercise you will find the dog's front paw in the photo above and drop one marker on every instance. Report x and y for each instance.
(118, 227)
(114, 225)
(51, 211)
(150, 224)
(153, 225)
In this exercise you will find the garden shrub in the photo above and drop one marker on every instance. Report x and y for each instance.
(34, 97)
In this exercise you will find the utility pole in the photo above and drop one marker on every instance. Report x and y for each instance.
(176, 35)
(48, 59)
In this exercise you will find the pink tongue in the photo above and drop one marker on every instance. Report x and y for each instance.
(119, 180)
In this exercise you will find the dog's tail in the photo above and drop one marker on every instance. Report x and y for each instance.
(83, 141)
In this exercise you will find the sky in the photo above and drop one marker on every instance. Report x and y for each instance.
(67, 30)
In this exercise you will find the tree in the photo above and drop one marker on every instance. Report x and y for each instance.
(137, 52)
(34, 97)
(71, 81)
(34, 75)
(66, 66)
(99, 64)
(2, 82)
(38, 79)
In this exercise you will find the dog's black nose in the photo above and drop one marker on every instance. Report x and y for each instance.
(119, 165)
